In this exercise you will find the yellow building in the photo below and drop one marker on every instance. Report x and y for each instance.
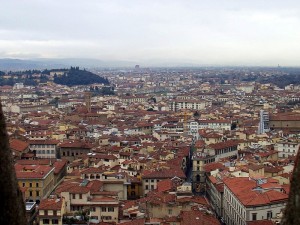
(135, 189)
(36, 181)
(51, 211)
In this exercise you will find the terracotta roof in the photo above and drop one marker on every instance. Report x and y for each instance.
(250, 194)
(32, 171)
(271, 169)
(18, 145)
(77, 186)
(134, 222)
(165, 174)
(43, 142)
(92, 170)
(76, 144)
(261, 222)
(198, 218)
(255, 167)
(57, 164)
(213, 166)
(50, 204)
(164, 185)
(160, 198)
(225, 144)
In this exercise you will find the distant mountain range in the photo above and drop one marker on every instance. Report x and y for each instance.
(43, 63)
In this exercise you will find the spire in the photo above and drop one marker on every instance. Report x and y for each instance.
(292, 211)
(13, 208)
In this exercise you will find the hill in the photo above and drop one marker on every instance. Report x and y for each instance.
(75, 76)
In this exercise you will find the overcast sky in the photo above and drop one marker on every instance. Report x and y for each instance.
(215, 32)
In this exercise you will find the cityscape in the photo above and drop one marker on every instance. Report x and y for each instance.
(153, 146)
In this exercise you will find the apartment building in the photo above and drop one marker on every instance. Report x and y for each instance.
(250, 200)
(44, 148)
(84, 195)
(179, 104)
(36, 181)
(287, 149)
(51, 211)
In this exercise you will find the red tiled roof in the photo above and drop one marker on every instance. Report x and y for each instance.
(244, 190)
(51, 204)
(44, 142)
(198, 218)
(164, 185)
(32, 171)
(18, 145)
(196, 199)
(75, 187)
(57, 164)
(92, 170)
(261, 222)
(76, 144)
(225, 144)
(165, 174)
(213, 166)
(134, 222)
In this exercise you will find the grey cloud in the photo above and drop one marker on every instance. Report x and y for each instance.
(217, 31)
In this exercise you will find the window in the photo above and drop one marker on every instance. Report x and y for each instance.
(30, 193)
(23, 184)
(106, 217)
(30, 184)
(269, 215)
(254, 215)
(147, 187)
(73, 196)
(103, 209)
(37, 193)
(46, 221)
(54, 221)
(80, 196)
(37, 184)
(94, 217)
(93, 209)
(170, 211)
(111, 209)
(152, 181)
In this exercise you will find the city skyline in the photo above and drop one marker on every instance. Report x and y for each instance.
(154, 33)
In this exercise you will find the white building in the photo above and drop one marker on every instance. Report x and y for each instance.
(286, 149)
(44, 148)
(217, 125)
(249, 200)
(18, 86)
(176, 105)
(263, 125)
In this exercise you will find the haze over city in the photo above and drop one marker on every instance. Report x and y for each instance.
(250, 33)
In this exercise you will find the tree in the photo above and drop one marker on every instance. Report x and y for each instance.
(13, 208)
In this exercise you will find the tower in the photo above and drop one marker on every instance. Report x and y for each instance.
(263, 125)
(87, 98)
